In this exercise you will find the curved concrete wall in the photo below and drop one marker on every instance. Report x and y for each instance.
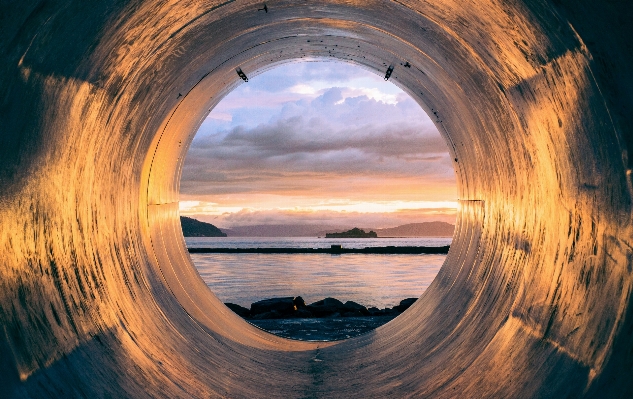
(99, 298)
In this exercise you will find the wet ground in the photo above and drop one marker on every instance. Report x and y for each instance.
(324, 329)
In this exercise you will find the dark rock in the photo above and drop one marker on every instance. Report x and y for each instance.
(295, 307)
(356, 307)
(405, 304)
(273, 314)
(331, 302)
(388, 312)
(284, 305)
(299, 302)
(261, 316)
(240, 310)
(408, 302)
(326, 307)
(302, 313)
(374, 311)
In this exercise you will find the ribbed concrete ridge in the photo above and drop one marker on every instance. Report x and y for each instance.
(99, 102)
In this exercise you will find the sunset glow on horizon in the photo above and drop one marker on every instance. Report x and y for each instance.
(318, 142)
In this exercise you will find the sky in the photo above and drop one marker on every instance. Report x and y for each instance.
(318, 142)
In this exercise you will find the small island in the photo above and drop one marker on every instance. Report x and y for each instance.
(353, 233)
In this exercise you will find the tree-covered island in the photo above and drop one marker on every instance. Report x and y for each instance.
(353, 233)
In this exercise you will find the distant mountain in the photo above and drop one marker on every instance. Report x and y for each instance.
(282, 230)
(426, 229)
(353, 233)
(195, 228)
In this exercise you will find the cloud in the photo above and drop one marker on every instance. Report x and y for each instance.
(352, 137)
(313, 73)
(294, 81)
(249, 217)
(324, 136)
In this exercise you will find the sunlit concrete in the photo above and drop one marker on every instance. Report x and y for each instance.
(100, 100)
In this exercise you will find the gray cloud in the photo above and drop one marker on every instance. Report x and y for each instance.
(286, 76)
(325, 136)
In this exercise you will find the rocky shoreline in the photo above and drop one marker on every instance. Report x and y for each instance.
(326, 320)
(296, 308)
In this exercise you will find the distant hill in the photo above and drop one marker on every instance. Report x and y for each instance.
(281, 230)
(353, 233)
(195, 228)
(426, 229)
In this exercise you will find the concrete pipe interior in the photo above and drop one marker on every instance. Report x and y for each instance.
(98, 297)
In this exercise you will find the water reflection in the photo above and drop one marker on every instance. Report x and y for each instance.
(371, 280)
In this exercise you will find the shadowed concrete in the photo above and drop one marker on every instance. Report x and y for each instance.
(99, 103)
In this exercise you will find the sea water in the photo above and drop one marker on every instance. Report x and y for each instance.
(369, 279)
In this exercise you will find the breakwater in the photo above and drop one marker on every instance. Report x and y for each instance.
(334, 249)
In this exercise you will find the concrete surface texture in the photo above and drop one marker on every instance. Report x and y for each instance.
(100, 100)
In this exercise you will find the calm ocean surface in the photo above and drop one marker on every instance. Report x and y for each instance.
(371, 280)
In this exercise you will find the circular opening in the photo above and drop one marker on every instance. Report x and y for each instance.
(287, 165)
(533, 300)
